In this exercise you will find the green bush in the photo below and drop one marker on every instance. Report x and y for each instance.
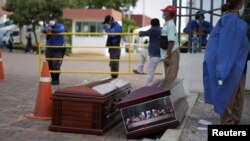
(18, 46)
(68, 51)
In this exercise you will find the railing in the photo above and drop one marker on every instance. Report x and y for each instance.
(129, 59)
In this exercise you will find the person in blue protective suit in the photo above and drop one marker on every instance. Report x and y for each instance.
(111, 26)
(54, 39)
(224, 63)
(198, 26)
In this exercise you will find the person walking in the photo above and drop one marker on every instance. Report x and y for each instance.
(54, 52)
(224, 63)
(111, 26)
(142, 59)
(153, 49)
(170, 55)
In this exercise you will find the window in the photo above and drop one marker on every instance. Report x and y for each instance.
(29, 29)
(89, 27)
(78, 27)
(15, 33)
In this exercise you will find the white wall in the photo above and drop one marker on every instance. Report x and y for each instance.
(3, 18)
(90, 42)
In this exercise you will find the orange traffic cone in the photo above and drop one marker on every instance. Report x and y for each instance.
(1, 67)
(43, 107)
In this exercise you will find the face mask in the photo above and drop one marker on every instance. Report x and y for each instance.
(199, 21)
(241, 11)
(108, 25)
(163, 16)
(52, 23)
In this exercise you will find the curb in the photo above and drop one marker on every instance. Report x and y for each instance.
(174, 134)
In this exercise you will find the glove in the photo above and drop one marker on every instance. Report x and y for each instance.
(220, 82)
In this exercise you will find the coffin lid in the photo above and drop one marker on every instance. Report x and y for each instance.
(92, 89)
(142, 95)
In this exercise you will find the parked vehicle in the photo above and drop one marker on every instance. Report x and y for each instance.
(19, 37)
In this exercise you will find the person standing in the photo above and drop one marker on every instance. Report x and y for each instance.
(111, 26)
(224, 63)
(29, 44)
(170, 55)
(198, 27)
(54, 39)
(10, 43)
(153, 49)
(5, 41)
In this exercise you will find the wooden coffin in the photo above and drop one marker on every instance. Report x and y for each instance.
(153, 109)
(89, 108)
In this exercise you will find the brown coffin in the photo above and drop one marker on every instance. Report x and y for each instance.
(153, 109)
(86, 108)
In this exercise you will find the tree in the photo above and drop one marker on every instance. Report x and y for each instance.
(128, 25)
(30, 12)
(115, 4)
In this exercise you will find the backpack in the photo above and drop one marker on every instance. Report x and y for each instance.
(163, 42)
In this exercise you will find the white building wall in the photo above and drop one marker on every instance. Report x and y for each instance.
(3, 18)
(91, 42)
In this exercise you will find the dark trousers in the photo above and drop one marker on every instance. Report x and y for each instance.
(55, 64)
(114, 53)
(10, 47)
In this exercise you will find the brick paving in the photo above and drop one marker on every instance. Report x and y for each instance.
(18, 95)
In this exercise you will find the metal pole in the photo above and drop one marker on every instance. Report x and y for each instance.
(40, 55)
(211, 13)
(143, 13)
(200, 25)
(179, 26)
(174, 2)
(221, 4)
(190, 31)
(129, 52)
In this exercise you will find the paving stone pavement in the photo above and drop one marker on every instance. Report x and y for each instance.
(18, 95)
(202, 111)
(19, 90)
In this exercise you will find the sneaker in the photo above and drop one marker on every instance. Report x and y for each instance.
(55, 82)
(114, 76)
(137, 72)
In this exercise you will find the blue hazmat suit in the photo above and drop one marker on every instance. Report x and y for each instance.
(114, 40)
(195, 25)
(225, 59)
(55, 39)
